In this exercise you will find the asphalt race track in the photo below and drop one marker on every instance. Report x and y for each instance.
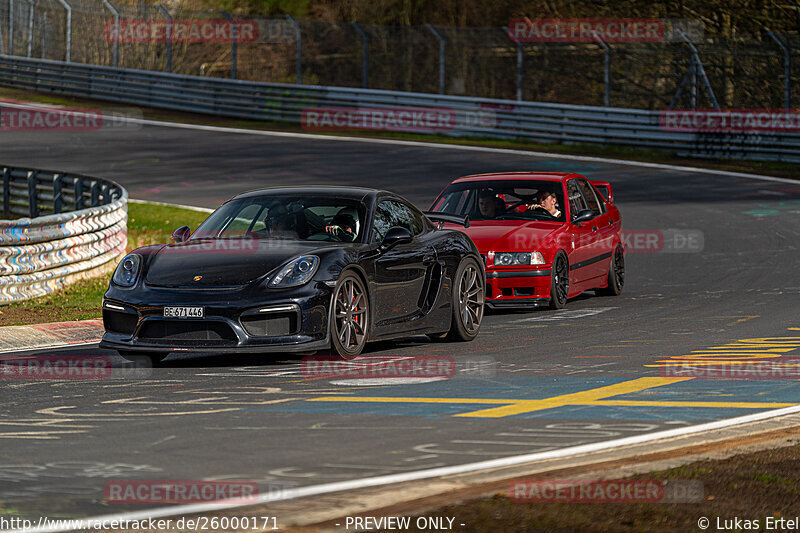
(722, 278)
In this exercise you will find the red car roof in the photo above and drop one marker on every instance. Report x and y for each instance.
(548, 176)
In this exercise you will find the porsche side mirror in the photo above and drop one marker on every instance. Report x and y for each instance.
(181, 234)
(396, 235)
(583, 216)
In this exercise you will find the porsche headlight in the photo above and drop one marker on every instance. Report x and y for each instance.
(518, 258)
(127, 270)
(296, 272)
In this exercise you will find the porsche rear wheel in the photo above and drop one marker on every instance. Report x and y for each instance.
(559, 282)
(349, 316)
(468, 298)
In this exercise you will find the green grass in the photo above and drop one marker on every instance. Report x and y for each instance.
(147, 224)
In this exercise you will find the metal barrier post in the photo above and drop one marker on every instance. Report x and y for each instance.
(234, 44)
(364, 55)
(58, 199)
(442, 43)
(169, 35)
(606, 70)
(6, 193)
(78, 194)
(787, 70)
(299, 41)
(2, 43)
(116, 23)
(67, 32)
(698, 70)
(33, 196)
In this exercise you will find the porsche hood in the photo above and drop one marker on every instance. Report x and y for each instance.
(220, 262)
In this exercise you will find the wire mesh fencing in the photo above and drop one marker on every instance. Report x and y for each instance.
(743, 72)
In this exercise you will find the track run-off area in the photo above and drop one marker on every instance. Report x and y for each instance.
(712, 279)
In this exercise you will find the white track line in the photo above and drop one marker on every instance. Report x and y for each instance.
(378, 481)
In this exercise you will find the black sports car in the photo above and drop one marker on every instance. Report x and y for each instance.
(296, 270)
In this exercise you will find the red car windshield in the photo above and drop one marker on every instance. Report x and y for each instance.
(503, 200)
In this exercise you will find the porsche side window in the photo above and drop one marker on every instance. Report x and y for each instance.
(242, 221)
(389, 214)
(591, 198)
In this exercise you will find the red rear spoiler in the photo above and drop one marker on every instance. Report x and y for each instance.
(605, 189)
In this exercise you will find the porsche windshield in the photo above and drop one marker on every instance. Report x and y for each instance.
(286, 217)
(503, 200)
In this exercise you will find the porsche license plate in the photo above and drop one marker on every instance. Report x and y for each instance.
(184, 312)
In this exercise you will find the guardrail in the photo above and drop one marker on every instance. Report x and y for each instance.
(74, 227)
(476, 117)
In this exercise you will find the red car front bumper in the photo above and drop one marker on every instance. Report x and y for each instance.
(517, 288)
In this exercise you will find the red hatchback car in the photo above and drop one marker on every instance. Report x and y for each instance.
(544, 236)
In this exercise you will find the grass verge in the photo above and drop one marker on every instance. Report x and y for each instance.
(147, 224)
(754, 486)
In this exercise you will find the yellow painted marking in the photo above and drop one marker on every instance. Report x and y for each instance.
(516, 406)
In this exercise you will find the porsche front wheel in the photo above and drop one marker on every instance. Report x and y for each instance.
(349, 316)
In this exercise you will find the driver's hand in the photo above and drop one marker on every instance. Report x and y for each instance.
(333, 230)
(533, 206)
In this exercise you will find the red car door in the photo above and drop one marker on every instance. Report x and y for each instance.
(603, 230)
(581, 251)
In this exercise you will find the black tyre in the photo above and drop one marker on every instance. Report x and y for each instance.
(616, 274)
(349, 323)
(467, 301)
(559, 281)
(143, 359)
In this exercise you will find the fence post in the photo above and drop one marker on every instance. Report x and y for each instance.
(44, 34)
(787, 69)
(442, 43)
(606, 69)
(30, 26)
(114, 12)
(11, 27)
(169, 35)
(298, 35)
(364, 55)
(698, 70)
(234, 44)
(520, 57)
(67, 32)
